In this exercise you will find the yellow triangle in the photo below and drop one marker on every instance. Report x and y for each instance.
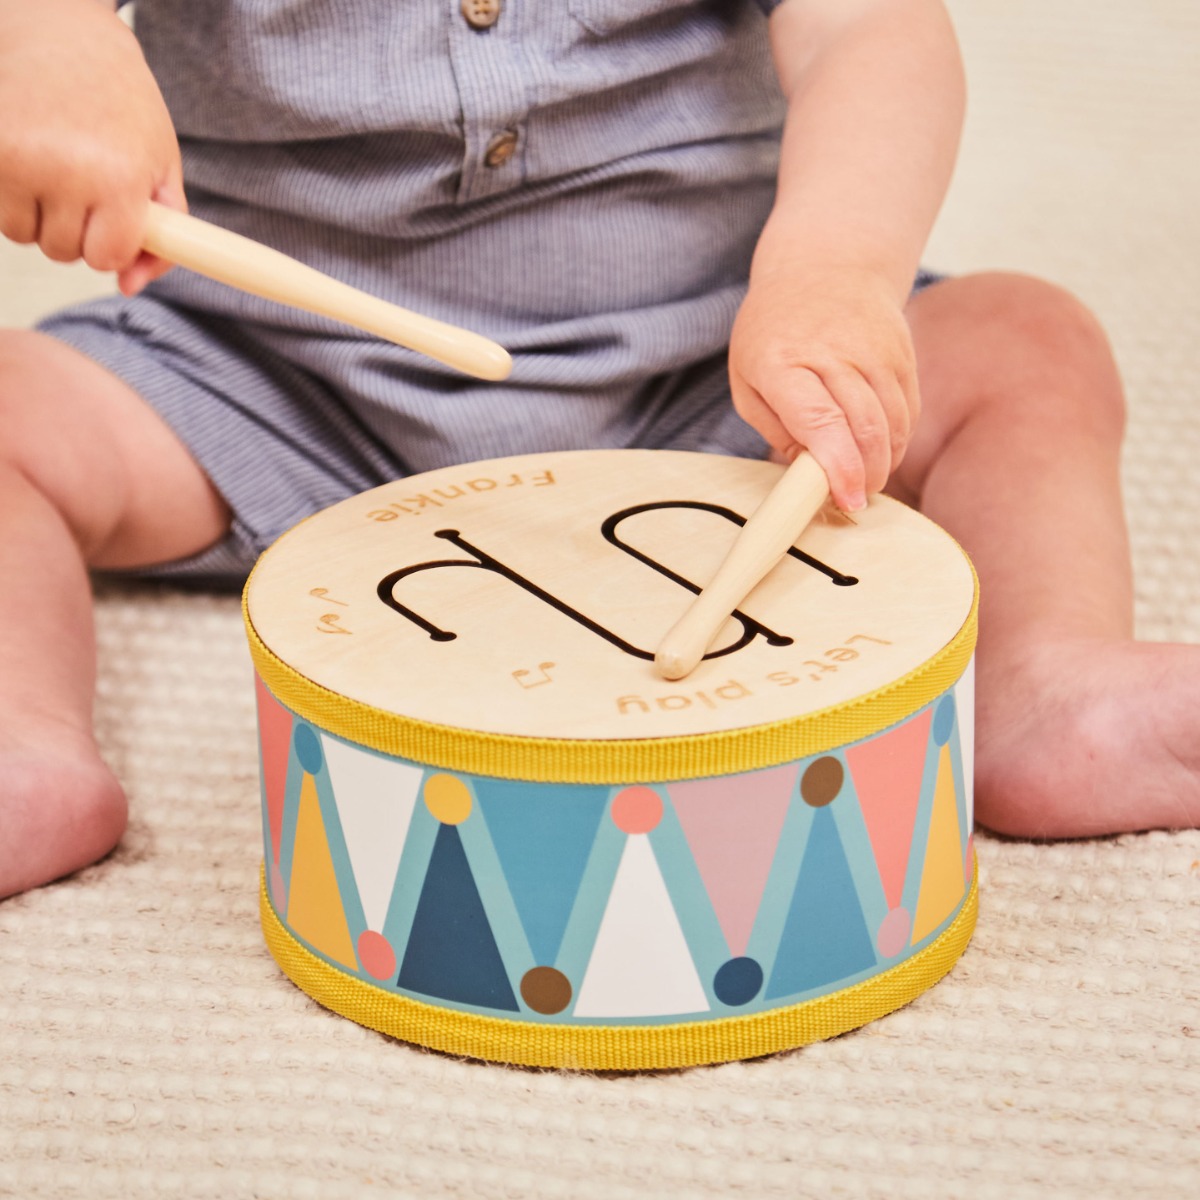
(942, 882)
(314, 902)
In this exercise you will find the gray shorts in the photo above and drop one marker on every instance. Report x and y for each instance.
(286, 422)
(287, 419)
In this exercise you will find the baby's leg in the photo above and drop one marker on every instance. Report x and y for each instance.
(1081, 730)
(89, 474)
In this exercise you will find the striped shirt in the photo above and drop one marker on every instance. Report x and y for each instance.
(583, 180)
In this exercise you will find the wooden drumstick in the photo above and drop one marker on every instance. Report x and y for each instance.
(252, 267)
(771, 530)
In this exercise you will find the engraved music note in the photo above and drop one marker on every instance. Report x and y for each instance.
(323, 594)
(522, 675)
(329, 622)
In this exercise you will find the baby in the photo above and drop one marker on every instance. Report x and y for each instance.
(694, 223)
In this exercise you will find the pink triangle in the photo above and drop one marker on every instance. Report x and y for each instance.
(275, 737)
(732, 825)
(887, 773)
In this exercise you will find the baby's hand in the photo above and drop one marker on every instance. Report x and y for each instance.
(825, 362)
(85, 138)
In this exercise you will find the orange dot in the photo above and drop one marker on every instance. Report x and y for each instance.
(637, 810)
(376, 955)
(448, 798)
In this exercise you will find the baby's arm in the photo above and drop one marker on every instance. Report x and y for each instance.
(820, 354)
(85, 138)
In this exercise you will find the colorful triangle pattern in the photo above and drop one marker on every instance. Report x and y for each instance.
(942, 883)
(733, 839)
(888, 771)
(543, 841)
(375, 797)
(825, 937)
(646, 956)
(315, 909)
(275, 745)
(452, 952)
(640, 964)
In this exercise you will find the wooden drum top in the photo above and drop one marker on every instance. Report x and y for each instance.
(526, 596)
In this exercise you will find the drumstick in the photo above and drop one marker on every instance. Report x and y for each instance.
(766, 537)
(251, 267)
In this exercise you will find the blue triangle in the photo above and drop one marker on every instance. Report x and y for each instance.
(825, 937)
(451, 952)
(543, 837)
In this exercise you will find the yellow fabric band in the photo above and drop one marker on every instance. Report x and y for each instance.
(615, 760)
(618, 1047)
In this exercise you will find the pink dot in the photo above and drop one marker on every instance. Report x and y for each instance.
(893, 932)
(637, 810)
(278, 892)
(376, 955)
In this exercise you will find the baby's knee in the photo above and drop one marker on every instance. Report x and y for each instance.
(1020, 340)
(17, 346)
(28, 362)
(19, 349)
(50, 394)
(1060, 344)
(1043, 320)
(25, 414)
(56, 435)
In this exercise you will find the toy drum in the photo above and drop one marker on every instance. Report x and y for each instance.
(491, 829)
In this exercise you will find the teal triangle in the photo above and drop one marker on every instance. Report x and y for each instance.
(825, 937)
(451, 952)
(543, 837)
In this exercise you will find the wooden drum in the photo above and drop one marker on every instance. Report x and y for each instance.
(492, 829)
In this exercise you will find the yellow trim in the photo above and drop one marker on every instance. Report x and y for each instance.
(614, 760)
(619, 1047)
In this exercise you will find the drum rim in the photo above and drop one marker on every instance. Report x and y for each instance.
(615, 761)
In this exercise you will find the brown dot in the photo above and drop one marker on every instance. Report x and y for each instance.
(546, 990)
(822, 781)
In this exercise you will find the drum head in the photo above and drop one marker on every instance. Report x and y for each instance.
(526, 596)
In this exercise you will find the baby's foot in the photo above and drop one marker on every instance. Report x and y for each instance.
(1084, 737)
(61, 808)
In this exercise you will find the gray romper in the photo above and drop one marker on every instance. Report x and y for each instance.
(581, 180)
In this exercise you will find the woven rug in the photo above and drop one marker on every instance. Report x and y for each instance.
(149, 1047)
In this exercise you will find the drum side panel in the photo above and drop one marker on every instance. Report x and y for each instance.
(673, 906)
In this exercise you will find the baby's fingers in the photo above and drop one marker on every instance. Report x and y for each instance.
(19, 219)
(112, 240)
(807, 417)
(146, 267)
(840, 419)
(899, 403)
(60, 233)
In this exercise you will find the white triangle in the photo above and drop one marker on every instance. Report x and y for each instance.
(964, 704)
(640, 964)
(375, 797)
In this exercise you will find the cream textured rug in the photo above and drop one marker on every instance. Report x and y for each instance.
(149, 1047)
